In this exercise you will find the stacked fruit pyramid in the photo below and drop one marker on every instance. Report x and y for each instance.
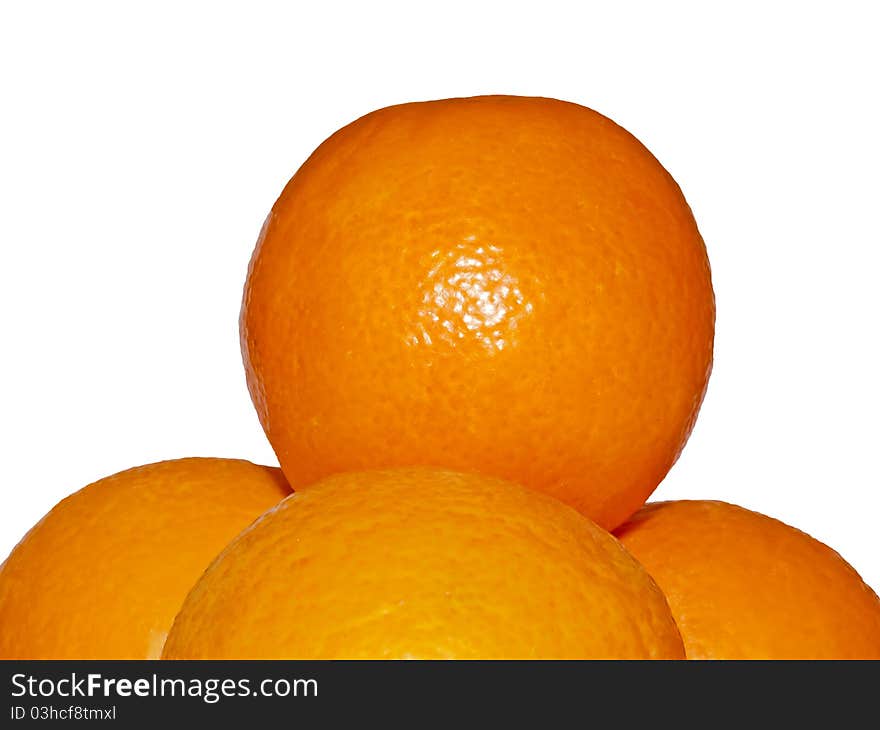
(477, 333)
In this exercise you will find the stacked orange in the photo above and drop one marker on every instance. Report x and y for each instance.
(449, 300)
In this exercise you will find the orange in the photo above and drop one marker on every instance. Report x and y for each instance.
(745, 586)
(103, 574)
(421, 563)
(504, 285)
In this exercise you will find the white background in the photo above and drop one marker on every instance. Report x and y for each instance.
(141, 149)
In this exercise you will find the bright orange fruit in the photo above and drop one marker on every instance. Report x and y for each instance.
(420, 563)
(505, 285)
(103, 574)
(745, 586)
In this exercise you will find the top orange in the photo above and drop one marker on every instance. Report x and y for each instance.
(507, 285)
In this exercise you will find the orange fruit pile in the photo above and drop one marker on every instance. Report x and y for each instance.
(477, 333)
